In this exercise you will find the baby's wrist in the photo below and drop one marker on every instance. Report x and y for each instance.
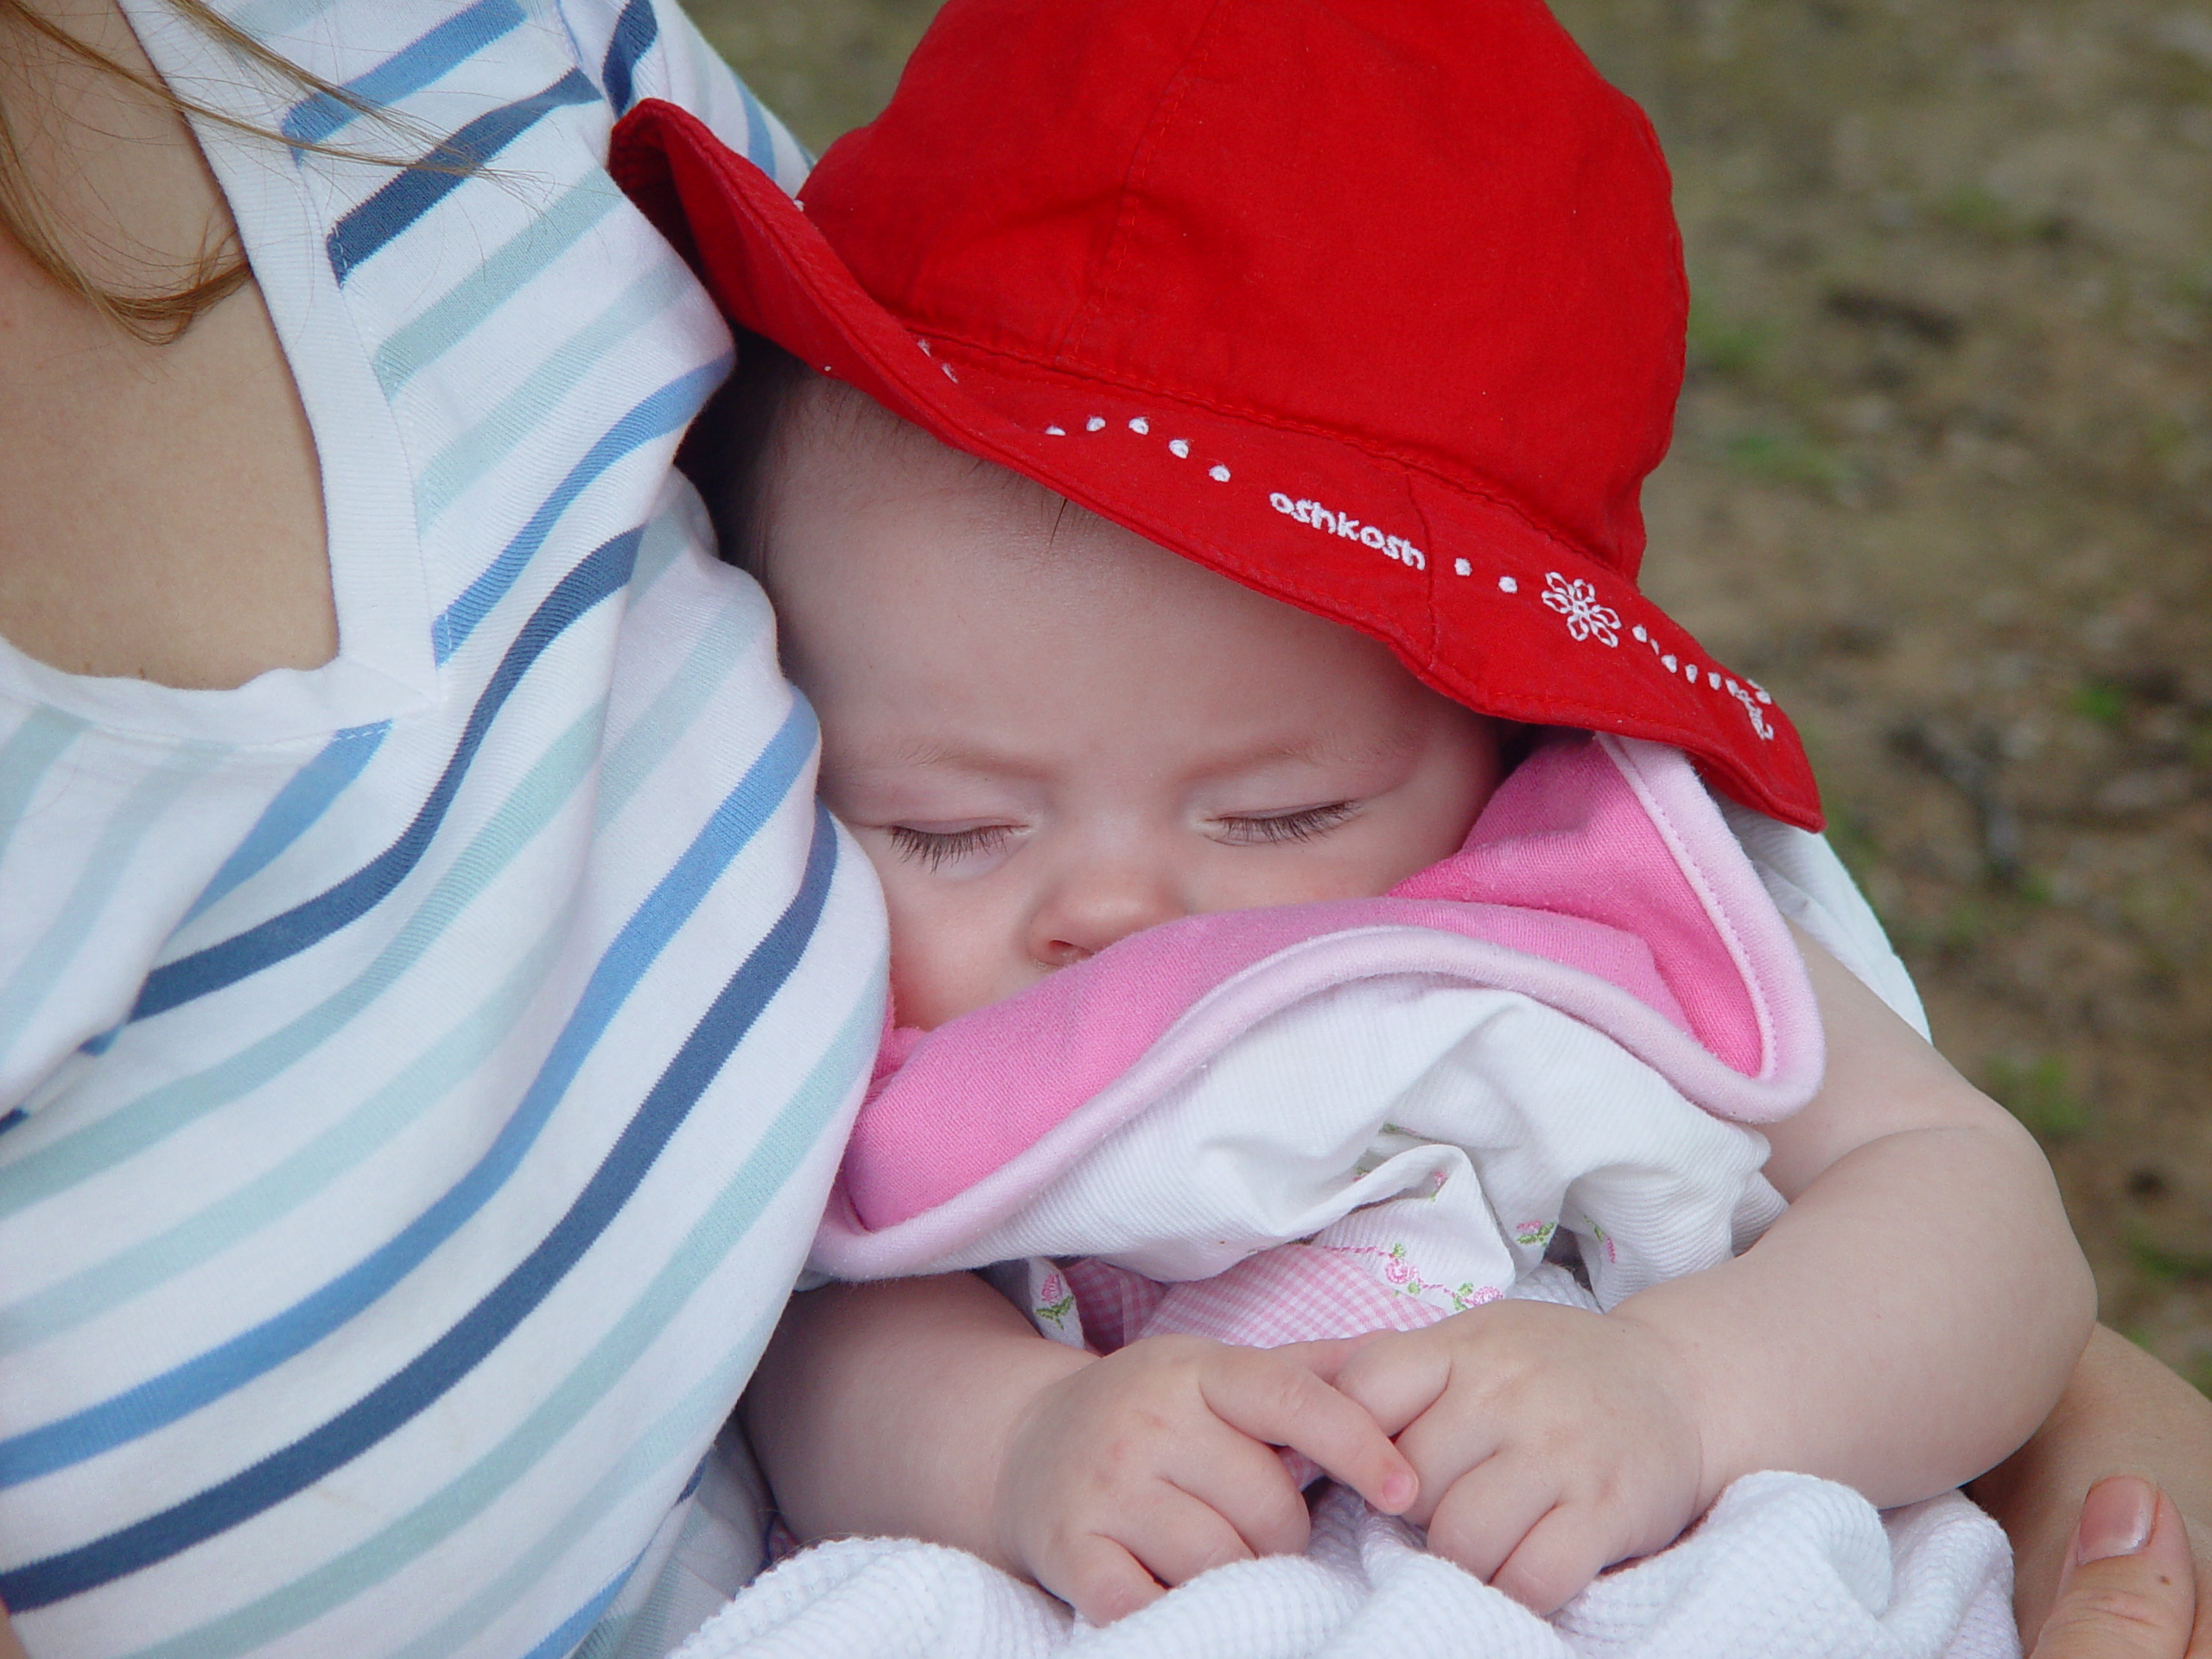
(1024, 1400)
(1712, 1415)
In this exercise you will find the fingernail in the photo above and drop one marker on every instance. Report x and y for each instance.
(1398, 1491)
(2116, 1518)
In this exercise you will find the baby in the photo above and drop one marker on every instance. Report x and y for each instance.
(1357, 511)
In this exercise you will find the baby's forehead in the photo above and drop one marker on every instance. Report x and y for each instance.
(827, 434)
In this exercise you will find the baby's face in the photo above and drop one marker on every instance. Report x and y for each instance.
(1049, 733)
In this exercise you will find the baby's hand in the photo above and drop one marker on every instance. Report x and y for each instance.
(1551, 1442)
(1155, 1462)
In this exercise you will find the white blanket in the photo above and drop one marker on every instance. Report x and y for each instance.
(1785, 1567)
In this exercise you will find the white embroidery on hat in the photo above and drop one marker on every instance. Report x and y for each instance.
(1056, 432)
(1758, 720)
(924, 343)
(1218, 473)
(1140, 426)
(1461, 568)
(1690, 672)
(1180, 447)
(949, 374)
(1507, 584)
(1637, 634)
(1095, 423)
(1577, 601)
(1344, 525)
(1759, 691)
(1670, 662)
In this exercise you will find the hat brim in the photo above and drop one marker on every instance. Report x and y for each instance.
(1511, 619)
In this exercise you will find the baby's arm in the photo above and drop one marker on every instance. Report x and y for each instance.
(1906, 1324)
(930, 1409)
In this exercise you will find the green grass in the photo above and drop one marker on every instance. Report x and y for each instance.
(1976, 211)
(2168, 1266)
(1727, 347)
(2037, 1091)
(2099, 700)
(1785, 457)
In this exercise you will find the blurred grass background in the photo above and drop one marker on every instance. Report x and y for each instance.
(1942, 479)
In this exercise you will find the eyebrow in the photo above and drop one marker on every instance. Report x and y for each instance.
(922, 753)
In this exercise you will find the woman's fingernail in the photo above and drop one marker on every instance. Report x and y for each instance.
(2116, 1518)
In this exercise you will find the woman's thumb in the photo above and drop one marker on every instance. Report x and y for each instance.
(2129, 1586)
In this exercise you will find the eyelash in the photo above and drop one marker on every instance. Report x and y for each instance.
(1303, 825)
(935, 851)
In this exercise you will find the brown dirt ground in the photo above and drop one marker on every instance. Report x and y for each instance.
(1943, 482)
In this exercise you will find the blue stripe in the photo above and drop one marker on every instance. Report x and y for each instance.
(602, 573)
(397, 1401)
(504, 273)
(15, 1114)
(685, 1426)
(759, 138)
(413, 193)
(634, 34)
(142, 814)
(517, 414)
(573, 1630)
(266, 18)
(162, 1400)
(24, 760)
(665, 411)
(415, 66)
(297, 805)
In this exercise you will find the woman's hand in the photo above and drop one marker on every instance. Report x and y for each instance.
(2123, 1413)
(2128, 1588)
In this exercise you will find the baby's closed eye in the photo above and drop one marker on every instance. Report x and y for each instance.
(1303, 823)
(934, 849)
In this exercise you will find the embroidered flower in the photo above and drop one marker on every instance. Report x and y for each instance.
(1577, 601)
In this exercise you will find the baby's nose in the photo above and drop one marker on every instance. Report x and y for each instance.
(1092, 907)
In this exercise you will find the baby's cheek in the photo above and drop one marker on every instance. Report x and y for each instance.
(946, 958)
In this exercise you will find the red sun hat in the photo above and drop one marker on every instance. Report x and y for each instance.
(1374, 306)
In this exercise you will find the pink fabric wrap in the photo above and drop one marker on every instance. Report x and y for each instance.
(1600, 878)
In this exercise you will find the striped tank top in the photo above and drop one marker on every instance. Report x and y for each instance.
(420, 1076)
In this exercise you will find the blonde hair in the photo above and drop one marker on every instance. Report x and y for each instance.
(162, 317)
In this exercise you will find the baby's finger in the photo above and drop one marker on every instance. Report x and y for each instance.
(1283, 1404)
(1485, 1513)
(1561, 1554)
(1396, 1377)
(1099, 1578)
(1326, 1357)
(1245, 1484)
(1177, 1538)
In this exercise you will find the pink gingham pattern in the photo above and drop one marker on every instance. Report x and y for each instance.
(1295, 1293)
